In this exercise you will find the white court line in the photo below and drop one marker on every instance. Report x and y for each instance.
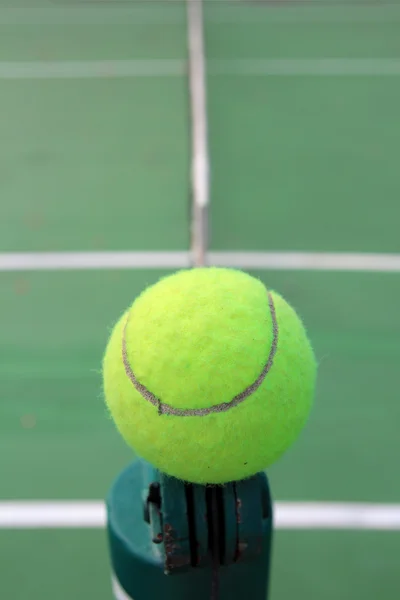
(287, 515)
(219, 15)
(303, 15)
(118, 592)
(320, 515)
(280, 261)
(200, 160)
(308, 261)
(54, 261)
(52, 515)
(317, 67)
(130, 68)
(93, 69)
(94, 15)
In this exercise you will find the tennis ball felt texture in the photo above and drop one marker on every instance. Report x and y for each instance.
(209, 376)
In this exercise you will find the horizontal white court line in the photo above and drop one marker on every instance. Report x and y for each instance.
(308, 261)
(52, 515)
(54, 261)
(287, 515)
(320, 515)
(92, 69)
(302, 14)
(118, 591)
(93, 15)
(216, 14)
(319, 67)
(281, 261)
(130, 68)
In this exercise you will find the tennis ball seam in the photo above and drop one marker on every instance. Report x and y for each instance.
(166, 409)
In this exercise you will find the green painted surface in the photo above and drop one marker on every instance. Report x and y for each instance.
(330, 565)
(348, 447)
(305, 565)
(305, 163)
(302, 40)
(50, 356)
(94, 165)
(92, 42)
(253, 12)
(63, 564)
(155, 7)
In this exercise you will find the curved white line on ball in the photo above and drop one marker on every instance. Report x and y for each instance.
(167, 409)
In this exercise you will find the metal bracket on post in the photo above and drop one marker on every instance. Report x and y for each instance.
(174, 539)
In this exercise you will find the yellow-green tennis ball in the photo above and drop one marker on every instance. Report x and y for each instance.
(209, 376)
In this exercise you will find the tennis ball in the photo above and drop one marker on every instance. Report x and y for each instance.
(209, 376)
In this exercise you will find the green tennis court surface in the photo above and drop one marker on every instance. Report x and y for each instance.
(94, 162)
